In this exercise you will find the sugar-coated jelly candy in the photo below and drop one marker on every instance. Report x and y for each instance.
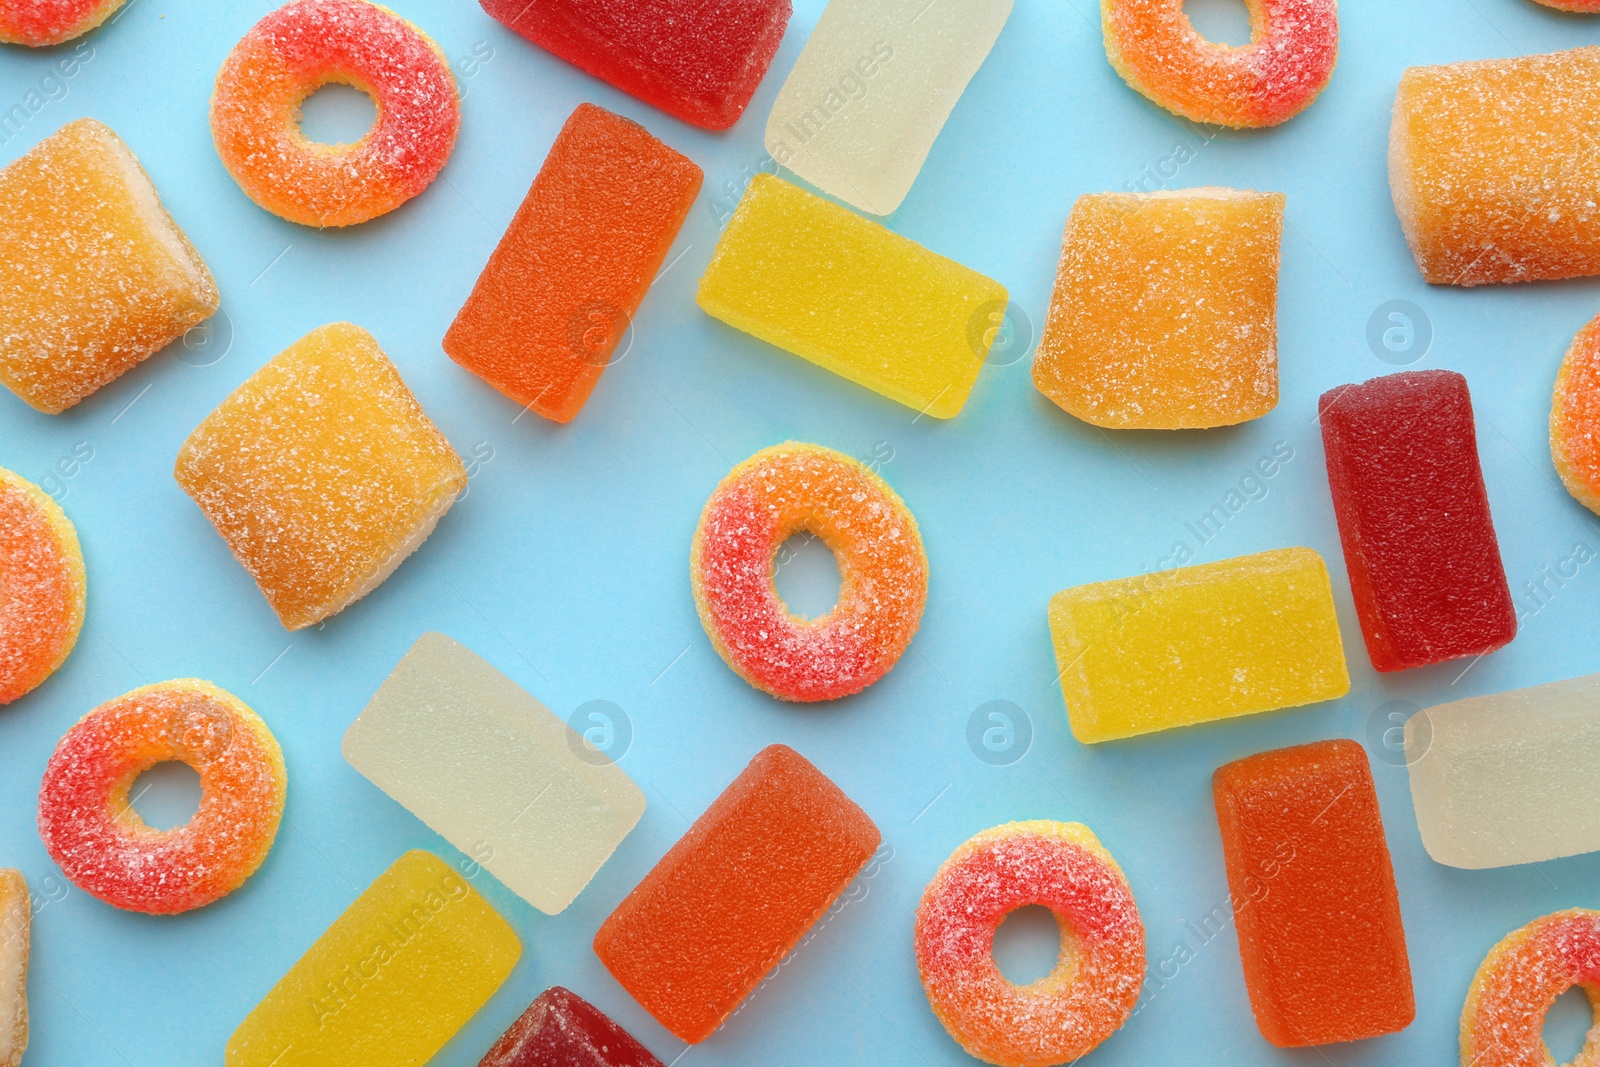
(1313, 895)
(1503, 1020)
(16, 919)
(1493, 169)
(558, 293)
(1165, 311)
(1196, 644)
(407, 964)
(1575, 418)
(94, 274)
(700, 60)
(736, 892)
(38, 23)
(872, 89)
(494, 772)
(321, 472)
(849, 295)
(561, 1029)
(1509, 777)
(42, 586)
(1414, 519)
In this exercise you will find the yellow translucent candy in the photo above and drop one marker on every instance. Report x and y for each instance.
(1196, 644)
(824, 283)
(407, 964)
(94, 274)
(1165, 313)
(321, 472)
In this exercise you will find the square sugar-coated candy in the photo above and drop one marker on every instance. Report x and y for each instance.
(1195, 644)
(736, 892)
(849, 295)
(1165, 311)
(494, 772)
(321, 472)
(1413, 515)
(1313, 895)
(94, 274)
(872, 89)
(408, 963)
(1509, 777)
(562, 286)
(700, 60)
(561, 1029)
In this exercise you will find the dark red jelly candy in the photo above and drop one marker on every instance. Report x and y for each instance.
(561, 1029)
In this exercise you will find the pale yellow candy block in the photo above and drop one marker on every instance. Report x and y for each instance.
(16, 919)
(493, 771)
(1197, 644)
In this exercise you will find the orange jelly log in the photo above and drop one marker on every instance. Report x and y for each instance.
(736, 892)
(1313, 895)
(563, 284)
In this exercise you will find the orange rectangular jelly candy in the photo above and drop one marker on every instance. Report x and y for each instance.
(1313, 895)
(562, 286)
(736, 892)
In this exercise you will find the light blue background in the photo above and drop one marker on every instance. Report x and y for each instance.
(567, 566)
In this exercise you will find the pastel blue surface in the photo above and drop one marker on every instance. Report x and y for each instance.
(567, 563)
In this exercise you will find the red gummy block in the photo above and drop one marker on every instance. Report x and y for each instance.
(736, 892)
(700, 60)
(1313, 895)
(561, 1029)
(557, 295)
(1413, 515)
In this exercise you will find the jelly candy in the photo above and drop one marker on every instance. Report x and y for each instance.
(561, 1029)
(38, 23)
(1575, 418)
(42, 587)
(16, 920)
(1502, 1023)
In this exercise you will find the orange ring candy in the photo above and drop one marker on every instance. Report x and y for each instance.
(102, 845)
(37, 23)
(883, 573)
(295, 51)
(42, 586)
(1582, 7)
(1290, 57)
(1096, 981)
(1575, 418)
(1502, 1024)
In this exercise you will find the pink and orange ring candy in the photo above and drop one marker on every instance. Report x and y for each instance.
(42, 586)
(38, 23)
(1502, 1024)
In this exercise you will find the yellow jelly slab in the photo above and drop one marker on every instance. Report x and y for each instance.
(1196, 644)
(407, 964)
(849, 295)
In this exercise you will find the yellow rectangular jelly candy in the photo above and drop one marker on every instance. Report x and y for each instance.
(1196, 644)
(849, 295)
(407, 964)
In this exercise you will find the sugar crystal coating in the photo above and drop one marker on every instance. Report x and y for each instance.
(561, 1029)
(1502, 1023)
(1165, 311)
(38, 23)
(321, 472)
(1096, 981)
(102, 845)
(42, 586)
(1575, 418)
(94, 274)
(16, 920)
(736, 892)
(1582, 6)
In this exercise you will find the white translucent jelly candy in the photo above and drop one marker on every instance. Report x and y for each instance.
(494, 772)
(872, 89)
(1510, 777)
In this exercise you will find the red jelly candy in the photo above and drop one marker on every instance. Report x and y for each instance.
(1413, 515)
(561, 1029)
(700, 60)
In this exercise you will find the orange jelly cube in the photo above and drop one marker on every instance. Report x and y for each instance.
(559, 291)
(1313, 895)
(1165, 311)
(736, 892)
(94, 274)
(321, 472)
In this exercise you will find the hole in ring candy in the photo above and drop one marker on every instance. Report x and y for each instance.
(295, 51)
(883, 573)
(1096, 981)
(1290, 57)
(38, 24)
(1502, 1024)
(104, 847)
(42, 586)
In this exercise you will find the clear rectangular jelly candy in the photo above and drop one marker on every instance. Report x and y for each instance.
(561, 1029)
(494, 772)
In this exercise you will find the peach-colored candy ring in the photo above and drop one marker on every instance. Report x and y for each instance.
(1502, 1024)
(41, 586)
(38, 23)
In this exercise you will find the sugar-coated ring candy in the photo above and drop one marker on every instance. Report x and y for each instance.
(38, 23)
(1575, 418)
(105, 848)
(1292, 50)
(883, 572)
(1584, 7)
(1502, 1024)
(1096, 980)
(293, 52)
(41, 586)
